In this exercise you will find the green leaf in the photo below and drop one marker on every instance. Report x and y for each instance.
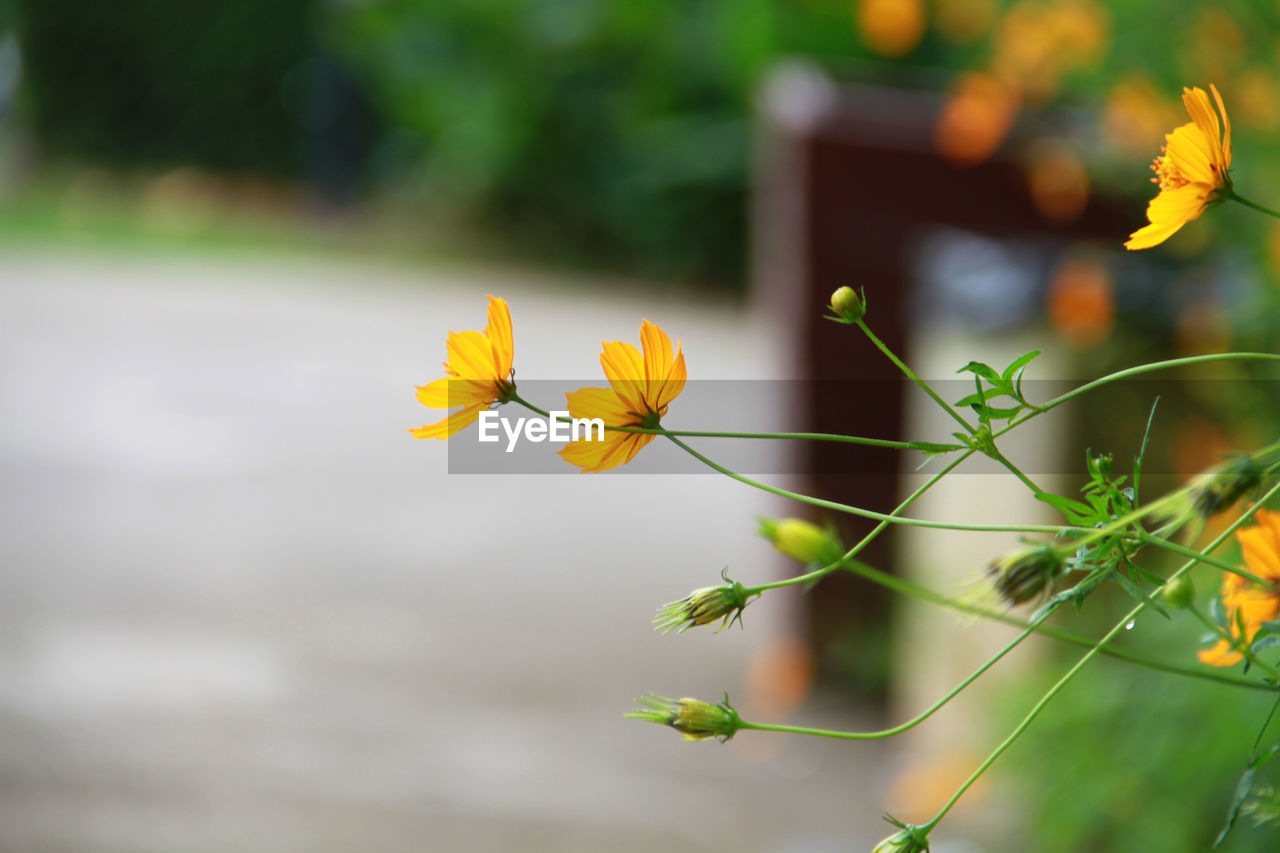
(987, 372)
(1019, 363)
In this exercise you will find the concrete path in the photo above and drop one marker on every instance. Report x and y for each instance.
(240, 609)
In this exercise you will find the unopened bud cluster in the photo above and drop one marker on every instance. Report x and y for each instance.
(695, 719)
(908, 839)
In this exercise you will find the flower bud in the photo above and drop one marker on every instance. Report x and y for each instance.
(697, 720)
(1179, 593)
(909, 839)
(704, 606)
(848, 305)
(1220, 487)
(1027, 574)
(803, 541)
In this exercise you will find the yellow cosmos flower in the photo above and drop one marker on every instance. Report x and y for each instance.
(641, 388)
(1190, 172)
(1245, 602)
(477, 374)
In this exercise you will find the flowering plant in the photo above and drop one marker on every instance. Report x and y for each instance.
(1106, 536)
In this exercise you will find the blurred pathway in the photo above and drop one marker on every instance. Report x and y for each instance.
(241, 610)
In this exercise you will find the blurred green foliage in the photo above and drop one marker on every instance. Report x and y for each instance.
(610, 130)
(155, 83)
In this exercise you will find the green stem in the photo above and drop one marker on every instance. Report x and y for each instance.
(866, 540)
(1084, 660)
(915, 721)
(906, 587)
(910, 374)
(1206, 559)
(1229, 192)
(1135, 371)
(795, 436)
(1017, 472)
(864, 513)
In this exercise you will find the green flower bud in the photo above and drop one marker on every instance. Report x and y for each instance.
(802, 540)
(1219, 488)
(848, 306)
(909, 839)
(1027, 574)
(697, 720)
(1179, 593)
(704, 606)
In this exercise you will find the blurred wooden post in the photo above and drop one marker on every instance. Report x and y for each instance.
(848, 179)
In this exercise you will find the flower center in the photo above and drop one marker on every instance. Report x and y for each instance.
(1167, 175)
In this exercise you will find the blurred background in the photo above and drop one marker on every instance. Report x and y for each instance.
(243, 610)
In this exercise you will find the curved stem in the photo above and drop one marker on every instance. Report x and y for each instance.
(910, 374)
(906, 587)
(1136, 371)
(1230, 193)
(917, 720)
(1084, 660)
(814, 575)
(864, 513)
(1200, 557)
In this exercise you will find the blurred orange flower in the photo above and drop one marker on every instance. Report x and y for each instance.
(477, 374)
(641, 388)
(1244, 602)
(1082, 303)
(975, 120)
(1189, 172)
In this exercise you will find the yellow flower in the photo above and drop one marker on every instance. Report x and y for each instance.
(1246, 603)
(641, 388)
(477, 374)
(1190, 171)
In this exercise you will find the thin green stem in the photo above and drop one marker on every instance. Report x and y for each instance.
(1016, 471)
(782, 436)
(910, 374)
(1228, 192)
(906, 587)
(1136, 371)
(917, 720)
(866, 540)
(1206, 559)
(858, 511)
(1084, 660)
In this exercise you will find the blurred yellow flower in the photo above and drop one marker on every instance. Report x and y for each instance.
(1246, 603)
(477, 374)
(1190, 171)
(641, 388)
(891, 27)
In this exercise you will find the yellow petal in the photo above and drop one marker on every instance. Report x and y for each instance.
(1179, 206)
(450, 425)
(657, 351)
(624, 368)
(1198, 106)
(1151, 235)
(600, 403)
(1261, 545)
(451, 392)
(618, 448)
(1220, 655)
(1191, 154)
(673, 384)
(498, 331)
(1226, 128)
(470, 356)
